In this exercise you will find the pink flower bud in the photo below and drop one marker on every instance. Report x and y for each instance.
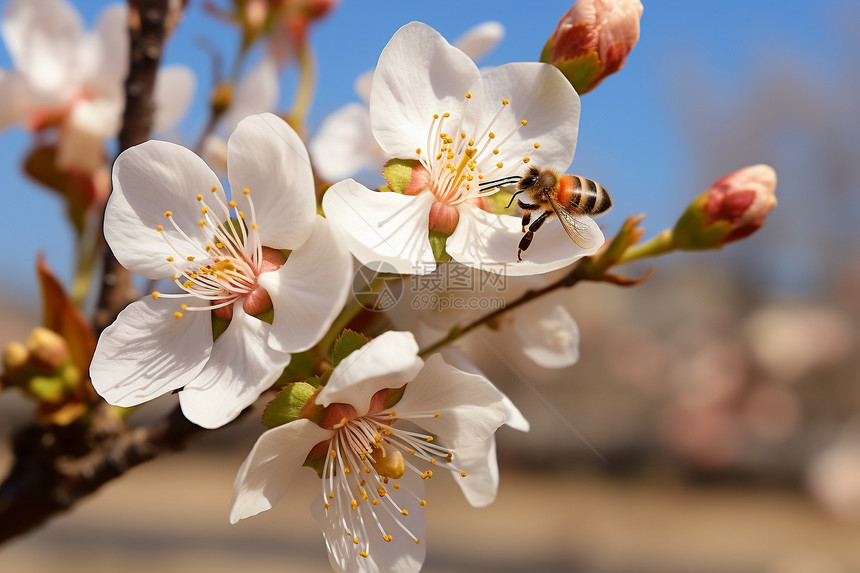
(734, 207)
(592, 40)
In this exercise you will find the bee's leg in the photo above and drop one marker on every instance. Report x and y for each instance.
(527, 238)
(527, 216)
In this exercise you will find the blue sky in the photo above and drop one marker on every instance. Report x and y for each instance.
(693, 67)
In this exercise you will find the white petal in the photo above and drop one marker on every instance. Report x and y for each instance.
(148, 352)
(266, 473)
(470, 406)
(106, 52)
(400, 555)
(549, 335)
(258, 92)
(344, 144)
(174, 88)
(388, 361)
(81, 145)
(362, 85)
(265, 155)
(42, 37)
(481, 482)
(148, 180)
(240, 368)
(383, 226)
(489, 242)
(13, 94)
(541, 95)
(478, 41)
(513, 417)
(309, 291)
(419, 74)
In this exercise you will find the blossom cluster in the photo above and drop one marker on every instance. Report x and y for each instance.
(252, 279)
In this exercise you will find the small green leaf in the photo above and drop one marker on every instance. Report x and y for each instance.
(287, 405)
(317, 464)
(348, 342)
(219, 325)
(301, 366)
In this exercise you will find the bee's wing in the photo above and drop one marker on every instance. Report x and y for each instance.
(580, 234)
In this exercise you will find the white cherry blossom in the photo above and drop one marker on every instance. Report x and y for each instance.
(73, 80)
(372, 499)
(430, 103)
(264, 249)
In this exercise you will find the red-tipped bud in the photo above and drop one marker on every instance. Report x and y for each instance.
(735, 206)
(592, 40)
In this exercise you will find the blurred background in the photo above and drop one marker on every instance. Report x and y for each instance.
(712, 423)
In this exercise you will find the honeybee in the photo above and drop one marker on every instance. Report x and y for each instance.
(563, 195)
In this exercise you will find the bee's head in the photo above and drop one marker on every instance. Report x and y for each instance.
(530, 179)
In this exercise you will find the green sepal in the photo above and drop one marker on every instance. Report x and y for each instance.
(47, 388)
(439, 242)
(398, 174)
(692, 231)
(581, 72)
(348, 342)
(317, 464)
(301, 366)
(393, 396)
(267, 315)
(497, 203)
(288, 404)
(219, 325)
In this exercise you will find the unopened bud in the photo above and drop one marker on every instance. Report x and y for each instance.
(15, 356)
(406, 176)
(734, 207)
(592, 40)
(47, 347)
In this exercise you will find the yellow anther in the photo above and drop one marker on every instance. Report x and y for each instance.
(387, 537)
(505, 102)
(183, 306)
(346, 469)
(188, 284)
(377, 438)
(375, 502)
(364, 495)
(491, 135)
(200, 197)
(214, 188)
(411, 452)
(333, 453)
(246, 191)
(190, 259)
(155, 294)
(471, 141)
(363, 553)
(524, 122)
(353, 504)
(168, 213)
(433, 461)
(159, 228)
(366, 470)
(381, 491)
(201, 223)
(446, 114)
(417, 541)
(178, 314)
(463, 135)
(204, 210)
(463, 474)
(344, 420)
(355, 540)
(397, 486)
(220, 245)
(449, 457)
(500, 164)
(326, 505)
(404, 512)
(437, 415)
(537, 145)
(169, 259)
(363, 483)
(435, 116)
(526, 159)
(422, 502)
(331, 494)
(417, 151)
(429, 438)
(254, 226)
(468, 95)
(241, 214)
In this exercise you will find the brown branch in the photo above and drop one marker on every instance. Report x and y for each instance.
(149, 22)
(57, 466)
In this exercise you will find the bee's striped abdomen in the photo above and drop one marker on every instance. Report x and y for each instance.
(583, 195)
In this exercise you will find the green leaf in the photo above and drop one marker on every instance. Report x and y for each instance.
(287, 405)
(348, 342)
